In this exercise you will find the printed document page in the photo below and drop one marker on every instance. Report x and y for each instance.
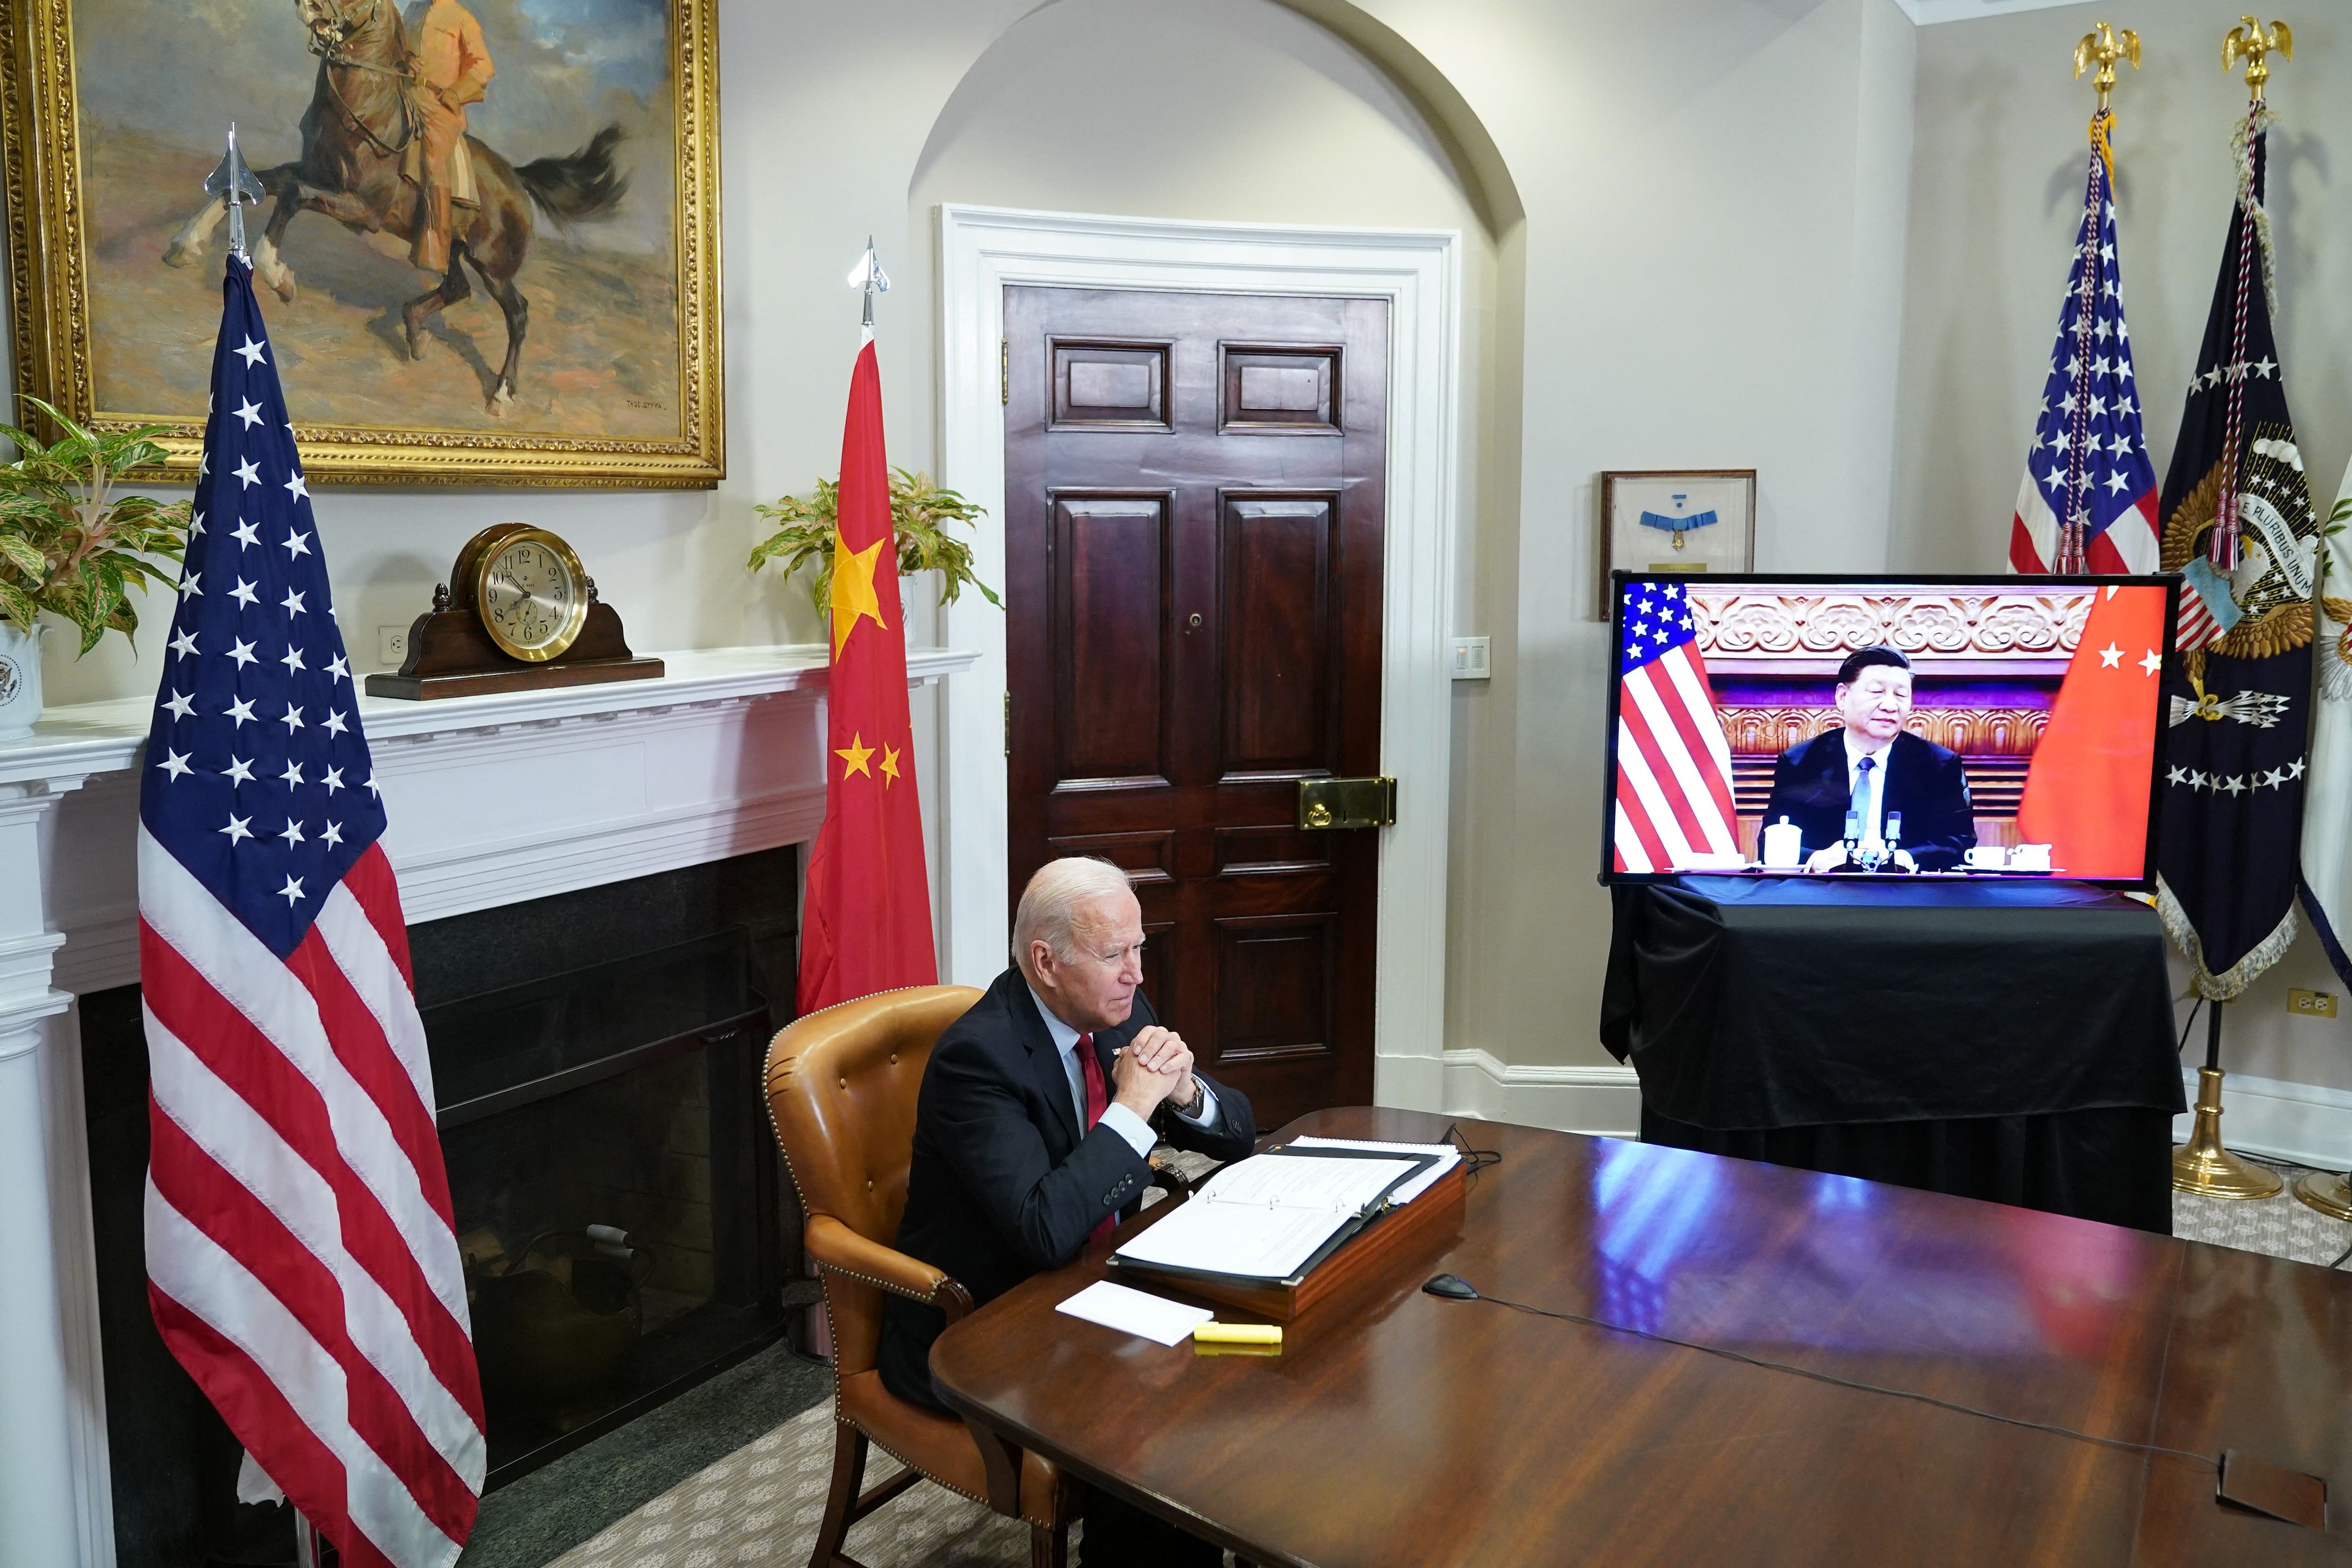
(1448, 1156)
(1290, 1183)
(1264, 1217)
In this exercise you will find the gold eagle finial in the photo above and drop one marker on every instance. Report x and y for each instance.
(2248, 40)
(2103, 45)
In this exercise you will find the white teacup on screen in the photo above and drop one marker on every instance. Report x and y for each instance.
(1784, 846)
(2029, 858)
(1988, 857)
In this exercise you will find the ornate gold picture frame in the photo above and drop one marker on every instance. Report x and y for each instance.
(559, 326)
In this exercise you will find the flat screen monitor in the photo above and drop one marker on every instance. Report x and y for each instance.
(1935, 727)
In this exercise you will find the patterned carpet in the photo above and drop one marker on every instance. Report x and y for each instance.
(2280, 1225)
(759, 1507)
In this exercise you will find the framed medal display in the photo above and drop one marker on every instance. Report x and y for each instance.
(1685, 521)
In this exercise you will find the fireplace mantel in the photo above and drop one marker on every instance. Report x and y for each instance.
(490, 799)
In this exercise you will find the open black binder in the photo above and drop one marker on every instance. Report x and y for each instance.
(1352, 1226)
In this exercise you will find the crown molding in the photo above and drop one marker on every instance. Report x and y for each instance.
(1927, 13)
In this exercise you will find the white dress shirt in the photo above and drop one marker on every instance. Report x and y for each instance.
(1853, 775)
(1117, 1117)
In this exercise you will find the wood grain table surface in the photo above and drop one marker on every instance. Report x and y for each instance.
(1399, 1428)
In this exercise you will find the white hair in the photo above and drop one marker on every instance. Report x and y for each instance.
(1051, 902)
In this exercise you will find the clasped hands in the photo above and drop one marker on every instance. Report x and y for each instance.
(1156, 1065)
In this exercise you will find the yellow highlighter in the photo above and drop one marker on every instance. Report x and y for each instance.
(1237, 1333)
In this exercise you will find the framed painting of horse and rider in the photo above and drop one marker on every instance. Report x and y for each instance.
(491, 227)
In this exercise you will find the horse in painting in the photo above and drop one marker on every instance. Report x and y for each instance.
(355, 136)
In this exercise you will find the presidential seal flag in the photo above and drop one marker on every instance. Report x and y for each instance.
(2239, 527)
(301, 1258)
(2087, 502)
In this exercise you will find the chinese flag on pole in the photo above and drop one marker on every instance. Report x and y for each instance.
(866, 922)
(2086, 792)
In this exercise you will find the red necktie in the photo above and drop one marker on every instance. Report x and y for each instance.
(1090, 1073)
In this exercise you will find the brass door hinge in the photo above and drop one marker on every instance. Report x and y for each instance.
(1331, 803)
(1004, 372)
(1008, 723)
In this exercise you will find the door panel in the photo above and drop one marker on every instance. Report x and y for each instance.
(1109, 612)
(1279, 638)
(1195, 489)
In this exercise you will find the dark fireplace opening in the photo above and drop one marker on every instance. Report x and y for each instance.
(616, 1205)
(596, 1063)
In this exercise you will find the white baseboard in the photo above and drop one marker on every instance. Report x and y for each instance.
(2304, 1123)
(1606, 1101)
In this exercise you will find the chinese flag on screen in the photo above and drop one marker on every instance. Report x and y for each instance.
(866, 922)
(2086, 792)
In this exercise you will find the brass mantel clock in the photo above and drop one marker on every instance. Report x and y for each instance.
(519, 613)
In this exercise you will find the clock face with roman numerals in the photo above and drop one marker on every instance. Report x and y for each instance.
(532, 597)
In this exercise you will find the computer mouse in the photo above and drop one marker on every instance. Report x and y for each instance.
(1453, 1287)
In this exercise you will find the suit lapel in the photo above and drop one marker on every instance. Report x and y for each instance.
(1044, 1062)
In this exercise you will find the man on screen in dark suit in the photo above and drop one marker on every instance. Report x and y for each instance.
(1874, 769)
(1036, 1111)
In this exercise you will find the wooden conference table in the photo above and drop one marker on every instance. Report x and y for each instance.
(1399, 1428)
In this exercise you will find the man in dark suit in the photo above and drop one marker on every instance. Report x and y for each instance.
(1876, 770)
(1036, 1112)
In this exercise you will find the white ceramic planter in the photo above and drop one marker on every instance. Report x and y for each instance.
(20, 680)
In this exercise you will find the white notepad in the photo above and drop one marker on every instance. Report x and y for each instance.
(1135, 1312)
(1263, 1217)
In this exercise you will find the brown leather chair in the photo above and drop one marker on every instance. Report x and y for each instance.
(840, 1090)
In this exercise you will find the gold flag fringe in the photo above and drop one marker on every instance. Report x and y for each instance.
(2226, 985)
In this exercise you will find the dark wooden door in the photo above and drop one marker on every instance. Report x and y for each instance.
(1193, 512)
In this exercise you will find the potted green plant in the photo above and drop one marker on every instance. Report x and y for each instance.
(810, 526)
(71, 546)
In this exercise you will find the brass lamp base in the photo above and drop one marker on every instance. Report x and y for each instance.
(2207, 1168)
(2331, 1196)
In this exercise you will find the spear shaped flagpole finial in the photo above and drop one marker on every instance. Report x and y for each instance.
(233, 182)
(868, 275)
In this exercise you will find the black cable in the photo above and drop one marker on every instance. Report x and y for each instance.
(1474, 1160)
(2340, 1257)
(2191, 1024)
(2206, 1459)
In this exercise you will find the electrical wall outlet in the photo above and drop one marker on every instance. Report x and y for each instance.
(1471, 660)
(2311, 1003)
(392, 646)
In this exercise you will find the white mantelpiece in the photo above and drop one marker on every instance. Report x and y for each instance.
(490, 799)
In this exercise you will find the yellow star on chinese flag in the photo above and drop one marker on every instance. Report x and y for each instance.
(854, 755)
(889, 765)
(853, 590)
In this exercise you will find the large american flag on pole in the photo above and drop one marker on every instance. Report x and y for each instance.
(301, 1258)
(1674, 767)
(2087, 502)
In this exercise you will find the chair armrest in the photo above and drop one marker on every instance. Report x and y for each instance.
(836, 1247)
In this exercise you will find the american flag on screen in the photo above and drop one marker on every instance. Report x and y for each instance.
(2087, 502)
(301, 1259)
(1674, 767)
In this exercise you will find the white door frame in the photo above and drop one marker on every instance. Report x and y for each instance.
(1418, 273)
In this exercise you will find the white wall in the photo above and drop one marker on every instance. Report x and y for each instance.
(1697, 263)
(1997, 190)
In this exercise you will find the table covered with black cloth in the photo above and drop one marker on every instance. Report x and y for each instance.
(2002, 1040)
